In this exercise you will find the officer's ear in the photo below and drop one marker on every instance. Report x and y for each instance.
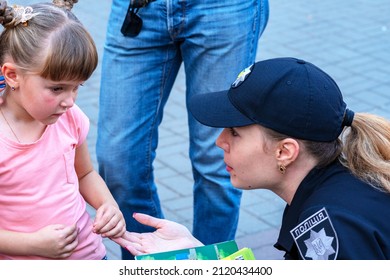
(287, 151)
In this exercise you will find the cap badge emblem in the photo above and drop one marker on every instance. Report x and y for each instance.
(242, 76)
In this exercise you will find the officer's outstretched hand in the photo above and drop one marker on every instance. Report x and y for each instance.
(167, 237)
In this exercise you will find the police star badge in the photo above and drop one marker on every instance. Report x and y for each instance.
(316, 237)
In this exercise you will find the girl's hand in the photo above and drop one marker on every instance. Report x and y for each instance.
(55, 241)
(109, 221)
(168, 236)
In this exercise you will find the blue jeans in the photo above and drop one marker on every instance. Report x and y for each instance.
(215, 40)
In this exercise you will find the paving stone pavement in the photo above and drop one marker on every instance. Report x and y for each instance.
(349, 39)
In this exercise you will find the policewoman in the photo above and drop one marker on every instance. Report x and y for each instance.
(287, 129)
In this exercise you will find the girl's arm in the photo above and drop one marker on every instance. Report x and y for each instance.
(109, 220)
(53, 241)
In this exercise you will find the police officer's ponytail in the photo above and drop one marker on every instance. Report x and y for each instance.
(366, 149)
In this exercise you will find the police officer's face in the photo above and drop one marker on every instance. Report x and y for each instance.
(249, 162)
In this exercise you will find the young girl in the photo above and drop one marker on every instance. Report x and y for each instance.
(288, 130)
(46, 175)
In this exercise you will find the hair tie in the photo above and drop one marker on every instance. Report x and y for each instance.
(21, 15)
(348, 117)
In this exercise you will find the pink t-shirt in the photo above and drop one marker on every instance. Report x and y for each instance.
(39, 185)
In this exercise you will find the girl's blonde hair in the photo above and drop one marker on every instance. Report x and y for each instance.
(52, 43)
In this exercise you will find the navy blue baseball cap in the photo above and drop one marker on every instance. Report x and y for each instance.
(288, 95)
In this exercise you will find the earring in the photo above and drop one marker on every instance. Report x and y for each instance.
(282, 168)
(13, 88)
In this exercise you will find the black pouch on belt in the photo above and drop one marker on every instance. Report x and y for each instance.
(132, 24)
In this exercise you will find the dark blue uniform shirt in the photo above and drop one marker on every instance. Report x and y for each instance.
(334, 215)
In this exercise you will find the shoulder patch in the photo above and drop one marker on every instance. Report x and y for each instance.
(316, 237)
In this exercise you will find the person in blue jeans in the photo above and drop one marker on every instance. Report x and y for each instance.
(214, 40)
